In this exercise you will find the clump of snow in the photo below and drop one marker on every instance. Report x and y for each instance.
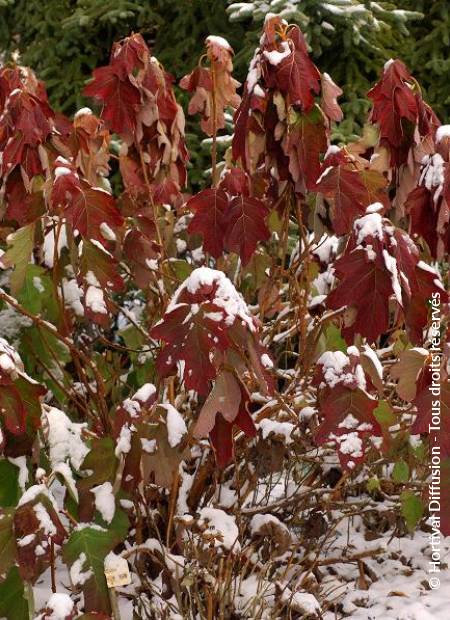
(326, 249)
(276, 57)
(220, 41)
(442, 132)
(302, 602)
(145, 392)
(21, 463)
(49, 245)
(72, 296)
(107, 232)
(369, 225)
(261, 522)
(176, 426)
(105, 501)
(433, 168)
(283, 430)
(391, 266)
(64, 438)
(351, 444)
(45, 522)
(266, 361)
(78, 573)
(337, 369)
(10, 362)
(225, 295)
(123, 445)
(82, 112)
(60, 606)
(219, 523)
(95, 300)
(371, 354)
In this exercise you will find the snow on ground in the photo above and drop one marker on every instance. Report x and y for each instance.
(396, 580)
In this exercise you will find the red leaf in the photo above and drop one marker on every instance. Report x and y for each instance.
(209, 207)
(351, 439)
(365, 286)
(330, 93)
(423, 288)
(297, 76)
(306, 140)
(245, 226)
(13, 409)
(221, 435)
(350, 192)
(120, 97)
(190, 336)
(85, 207)
(394, 102)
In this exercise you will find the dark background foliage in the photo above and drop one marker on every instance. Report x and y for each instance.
(63, 40)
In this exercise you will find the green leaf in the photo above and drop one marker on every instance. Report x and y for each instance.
(13, 605)
(400, 472)
(384, 414)
(96, 544)
(102, 461)
(37, 293)
(334, 340)
(9, 484)
(373, 484)
(412, 509)
(18, 255)
(7, 541)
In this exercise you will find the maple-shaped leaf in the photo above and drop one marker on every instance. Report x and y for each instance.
(120, 97)
(305, 141)
(85, 552)
(348, 420)
(423, 216)
(245, 226)
(18, 255)
(142, 254)
(190, 336)
(200, 83)
(35, 521)
(13, 409)
(196, 327)
(25, 124)
(330, 94)
(164, 444)
(209, 207)
(96, 259)
(407, 370)
(296, 74)
(13, 602)
(224, 398)
(398, 108)
(213, 88)
(86, 208)
(7, 538)
(425, 286)
(221, 435)
(349, 191)
(23, 206)
(225, 407)
(365, 285)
